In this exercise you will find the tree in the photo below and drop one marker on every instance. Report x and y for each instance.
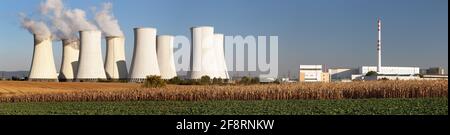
(176, 80)
(205, 80)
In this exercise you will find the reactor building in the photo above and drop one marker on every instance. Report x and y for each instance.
(145, 61)
(43, 64)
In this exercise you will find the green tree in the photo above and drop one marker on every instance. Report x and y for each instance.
(371, 73)
(205, 80)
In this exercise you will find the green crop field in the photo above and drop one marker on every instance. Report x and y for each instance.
(428, 106)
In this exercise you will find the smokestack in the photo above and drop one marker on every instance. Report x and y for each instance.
(219, 44)
(69, 64)
(145, 61)
(90, 66)
(203, 59)
(379, 46)
(166, 62)
(115, 64)
(43, 64)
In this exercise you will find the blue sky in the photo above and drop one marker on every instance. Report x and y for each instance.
(336, 33)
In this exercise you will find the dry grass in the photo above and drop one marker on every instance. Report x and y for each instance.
(45, 92)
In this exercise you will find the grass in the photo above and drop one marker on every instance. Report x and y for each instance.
(426, 106)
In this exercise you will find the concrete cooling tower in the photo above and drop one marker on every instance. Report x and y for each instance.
(166, 63)
(207, 56)
(145, 61)
(222, 71)
(69, 64)
(90, 67)
(43, 64)
(115, 64)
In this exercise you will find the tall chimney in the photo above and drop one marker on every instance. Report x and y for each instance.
(379, 46)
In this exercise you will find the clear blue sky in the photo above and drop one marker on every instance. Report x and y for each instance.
(338, 33)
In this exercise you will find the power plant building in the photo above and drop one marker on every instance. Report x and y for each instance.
(145, 61)
(90, 66)
(43, 64)
(115, 63)
(166, 62)
(313, 73)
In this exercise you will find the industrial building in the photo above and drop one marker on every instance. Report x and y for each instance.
(90, 67)
(145, 61)
(69, 64)
(342, 74)
(433, 71)
(313, 73)
(207, 57)
(166, 61)
(43, 65)
(115, 63)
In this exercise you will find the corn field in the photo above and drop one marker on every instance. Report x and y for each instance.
(80, 92)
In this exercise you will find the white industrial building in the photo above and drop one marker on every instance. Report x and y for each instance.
(391, 70)
(43, 64)
(342, 74)
(115, 63)
(145, 61)
(312, 73)
(206, 54)
(166, 61)
(90, 67)
(69, 64)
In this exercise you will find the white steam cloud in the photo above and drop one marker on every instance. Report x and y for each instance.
(66, 22)
(38, 28)
(107, 22)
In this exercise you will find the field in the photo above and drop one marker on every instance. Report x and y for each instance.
(89, 92)
(428, 106)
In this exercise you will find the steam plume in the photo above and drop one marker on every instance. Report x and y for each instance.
(107, 22)
(38, 28)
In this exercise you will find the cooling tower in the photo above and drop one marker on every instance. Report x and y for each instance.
(90, 67)
(203, 59)
(115, 64)
(164, 45)
(145, 61)
(43, 64)
(69, 64)
(222, 67)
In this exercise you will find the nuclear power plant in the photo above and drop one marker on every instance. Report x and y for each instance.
(164, 45)
(145, 61)
(115, 63)
(43, 64)
(90, 67)
(69, 64)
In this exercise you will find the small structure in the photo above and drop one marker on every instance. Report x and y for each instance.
(312, 73)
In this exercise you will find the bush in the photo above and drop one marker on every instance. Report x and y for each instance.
(371, 73)
(154, 82)
(175, 80)
(205, 80)
(248, 80)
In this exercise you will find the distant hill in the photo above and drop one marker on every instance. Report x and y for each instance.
(9, 74)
